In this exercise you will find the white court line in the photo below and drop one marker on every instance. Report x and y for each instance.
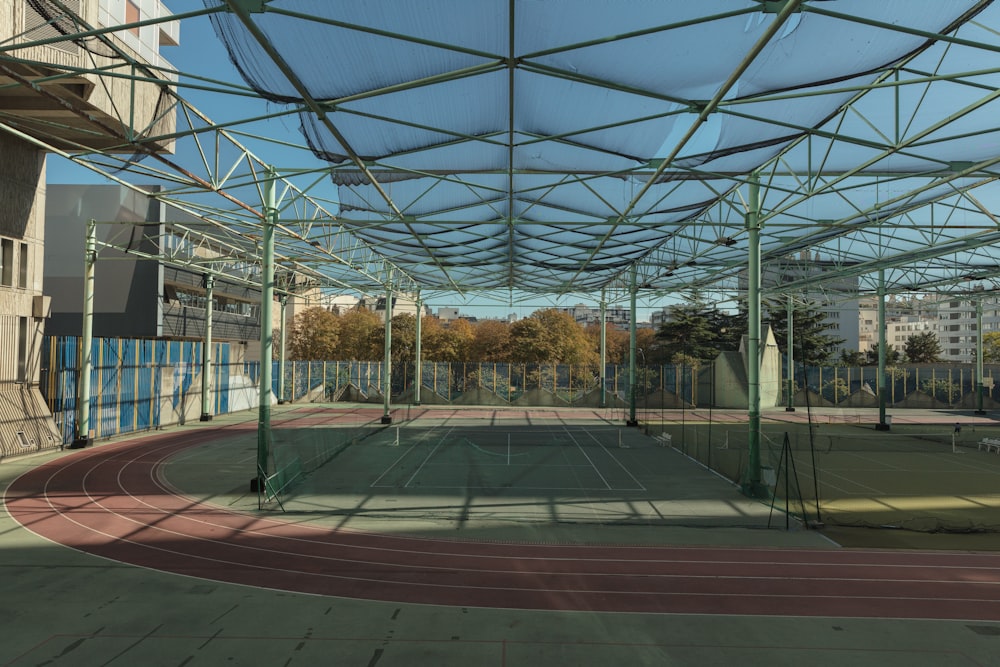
(516, 488)
(620, 464)
(578, 446)
(420, 467)
(877, 462)
(504, 465)
(393, 465)
(827, 473)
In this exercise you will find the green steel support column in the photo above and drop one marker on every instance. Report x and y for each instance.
(631, 421)
(206, 352)
(283, 303)
(604, 352)
(752, 485)
(883, 390)
(266, 337)
(387, 371)
(790, 314)
(980, 387)
(418, 367)
(83, 436)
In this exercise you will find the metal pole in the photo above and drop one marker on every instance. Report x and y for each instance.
(980, 387)
(604, 352)
(386, 376)
(283, 302)
(418, 367)
(631, 421)
(789, 329)
(83, 432)
(266, 335)
(752, 485)
(206, 352)
(882, 384)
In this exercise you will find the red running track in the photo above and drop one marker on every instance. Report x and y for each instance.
(112, 501)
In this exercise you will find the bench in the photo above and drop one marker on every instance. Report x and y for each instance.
(664, 439)
(990, 444)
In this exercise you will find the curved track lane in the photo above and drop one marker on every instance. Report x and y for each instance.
(112, 501)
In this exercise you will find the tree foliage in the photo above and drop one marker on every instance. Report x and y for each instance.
(550, 336)
(355, 343)
(852, 358)
(923, 348)
(991, 347)
(811, 342)
(491, 341)
(314, 334)
(688, 331)
(892, 355)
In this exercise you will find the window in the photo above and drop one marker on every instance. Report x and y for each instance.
(22, 267)
(6, 262)
(132, 15)
(22, 349)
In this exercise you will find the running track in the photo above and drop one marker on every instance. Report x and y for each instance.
(112, 501)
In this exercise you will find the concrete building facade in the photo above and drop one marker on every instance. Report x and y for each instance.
(67, 109)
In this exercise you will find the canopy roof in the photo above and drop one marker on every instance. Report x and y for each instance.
(551, 147)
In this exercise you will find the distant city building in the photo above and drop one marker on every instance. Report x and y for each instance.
(448, 314)
(835, 297)
(317, 298)
(586, 315)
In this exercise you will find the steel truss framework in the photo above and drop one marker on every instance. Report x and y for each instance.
(515, 149)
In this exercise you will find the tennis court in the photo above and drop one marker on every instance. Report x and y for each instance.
(926, 476)
(513, 465)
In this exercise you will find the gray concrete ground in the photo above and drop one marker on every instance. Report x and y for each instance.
(68, 608)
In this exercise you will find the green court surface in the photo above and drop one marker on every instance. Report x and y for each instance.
(918, 476)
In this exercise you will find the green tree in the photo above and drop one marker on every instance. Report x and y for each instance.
(314, 335)
(892, 355)
(729, 328)
(688, 330)
(852, 358)
(991, 347)
(812, 345)
(923, 348)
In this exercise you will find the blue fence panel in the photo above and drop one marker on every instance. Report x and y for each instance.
(126, 384)
(144, 383)
(107, 387)
(222, 380)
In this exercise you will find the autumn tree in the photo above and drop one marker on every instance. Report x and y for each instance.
(314, 334)
(616, 340)
(356, 327)
(491, 342)
(645, 340)
(403, 339)
(550, 336)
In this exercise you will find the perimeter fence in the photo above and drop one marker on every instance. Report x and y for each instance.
(141, 384)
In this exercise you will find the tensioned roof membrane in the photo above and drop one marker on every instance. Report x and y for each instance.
(555, 147)
(549, 146)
